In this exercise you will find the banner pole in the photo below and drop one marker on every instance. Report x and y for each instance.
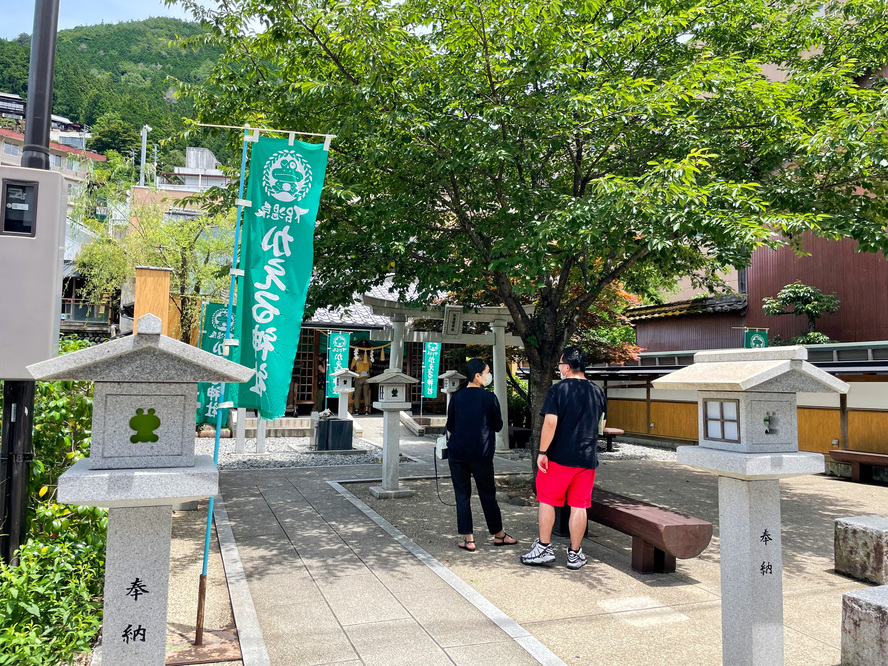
(232, 288)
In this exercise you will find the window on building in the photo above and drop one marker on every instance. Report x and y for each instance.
(55, 161)
(70, 164)
(742, 283)
(722, 420)
(11, 149)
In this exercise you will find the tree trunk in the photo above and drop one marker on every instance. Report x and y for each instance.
(542, 366)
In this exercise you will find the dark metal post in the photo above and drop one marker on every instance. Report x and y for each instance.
(40, 77)
(18, 406)
(18, 419)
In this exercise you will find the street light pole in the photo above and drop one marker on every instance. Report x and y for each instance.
(145, 130)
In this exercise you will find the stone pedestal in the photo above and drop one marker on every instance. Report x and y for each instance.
(343, 394)
(750, 547)
(861, 548)
(751, 571)
(261, 425)
(865, 627)
(391, 452)
(136, 586)
(241, 431)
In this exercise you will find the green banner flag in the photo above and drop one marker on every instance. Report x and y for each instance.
(277, 257)
(755, 339)
(337, 358)
(210, 395)
(431, 357)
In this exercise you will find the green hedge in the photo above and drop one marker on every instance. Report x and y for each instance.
(51, 603)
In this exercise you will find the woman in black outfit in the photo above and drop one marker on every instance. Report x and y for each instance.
(473, 420)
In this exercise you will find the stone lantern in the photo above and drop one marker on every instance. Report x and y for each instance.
(450, 381)
(344, 385)
(749, 437)
(393, 398)
(141, 462)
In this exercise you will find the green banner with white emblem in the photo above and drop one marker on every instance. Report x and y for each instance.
(431, 359)
(337, 359)
(210, 395)
(755, 339)
(278, 253)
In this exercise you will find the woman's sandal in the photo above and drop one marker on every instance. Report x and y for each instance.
(501, 541)
(465, 543)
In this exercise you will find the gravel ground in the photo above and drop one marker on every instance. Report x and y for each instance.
(285, 452)
(622, 451)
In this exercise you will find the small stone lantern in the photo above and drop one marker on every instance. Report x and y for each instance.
(141, 462)
(344, 385)
(450, 381)
(393, 398)
(749, 437)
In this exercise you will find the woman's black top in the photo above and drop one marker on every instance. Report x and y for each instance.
(473, 420)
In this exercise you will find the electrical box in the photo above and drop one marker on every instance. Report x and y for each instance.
(32, 246)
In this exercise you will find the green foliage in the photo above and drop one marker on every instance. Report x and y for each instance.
(50, 604)
(809, 338)
(126, 70)
(534, 153)
(197, 249)
(110, 132)
(803, 300)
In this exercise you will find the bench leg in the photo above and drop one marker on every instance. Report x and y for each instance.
(861, 473)
(610, 443)
(647, 559)
(866, 473)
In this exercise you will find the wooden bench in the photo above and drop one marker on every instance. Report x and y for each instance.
(862, 463)
(659, 535)
(609, 434)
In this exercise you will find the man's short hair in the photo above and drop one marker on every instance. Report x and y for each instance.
(575, 358)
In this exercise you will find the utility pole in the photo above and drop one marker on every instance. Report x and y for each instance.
(145, 130)
(16, 451)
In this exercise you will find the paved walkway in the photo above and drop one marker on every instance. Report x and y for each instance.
(331, 585)
(336, 576)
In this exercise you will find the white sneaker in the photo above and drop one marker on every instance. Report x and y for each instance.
(539, 554)
(575, 560)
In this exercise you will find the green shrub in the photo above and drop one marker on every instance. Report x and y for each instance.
(51, 604)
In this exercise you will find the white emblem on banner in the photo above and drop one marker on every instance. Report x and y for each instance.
(286, 176)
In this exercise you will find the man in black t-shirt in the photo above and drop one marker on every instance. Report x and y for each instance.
(568, 457)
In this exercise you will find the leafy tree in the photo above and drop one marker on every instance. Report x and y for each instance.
(124, 68)
(111, 133)
(195, 246)
(801, 300)
(533, 154)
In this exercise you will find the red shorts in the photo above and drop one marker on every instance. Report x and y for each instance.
(560, 482)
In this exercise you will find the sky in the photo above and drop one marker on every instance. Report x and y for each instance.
(18, 15)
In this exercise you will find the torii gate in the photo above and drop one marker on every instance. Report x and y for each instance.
(453, 317)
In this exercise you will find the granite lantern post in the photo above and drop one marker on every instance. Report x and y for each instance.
(450, 381)
(748, 435)
(141, 462)
(344, 379)
(393, 397)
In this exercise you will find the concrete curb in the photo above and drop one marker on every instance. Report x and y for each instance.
(519, 634)
(249, 633)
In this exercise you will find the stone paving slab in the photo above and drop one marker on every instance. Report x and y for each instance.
(329, 585)
(606, 613)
